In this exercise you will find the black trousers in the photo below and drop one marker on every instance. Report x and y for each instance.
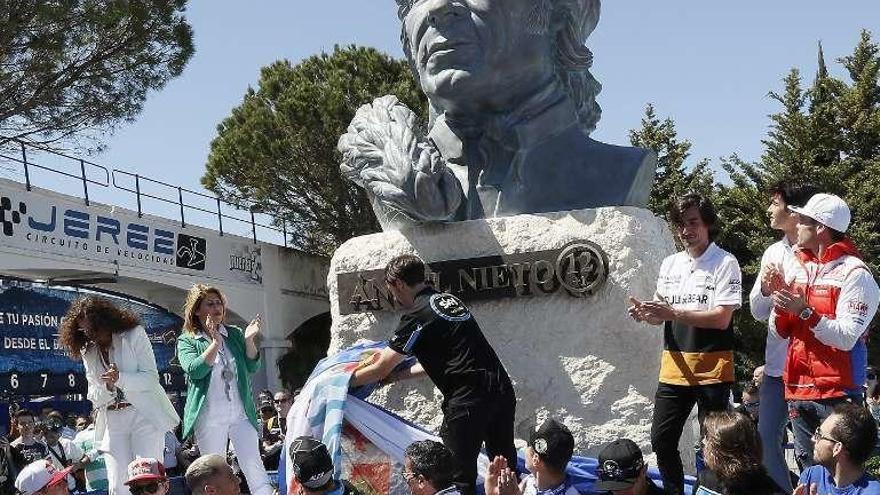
(466, 427)
(672, 406)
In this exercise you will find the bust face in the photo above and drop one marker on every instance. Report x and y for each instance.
(477, 55)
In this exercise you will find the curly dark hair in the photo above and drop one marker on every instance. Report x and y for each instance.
(102, 313)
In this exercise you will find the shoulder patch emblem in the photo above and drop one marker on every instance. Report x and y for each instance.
(449, 307)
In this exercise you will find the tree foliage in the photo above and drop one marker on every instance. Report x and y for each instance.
(672, 178)
(78, 68)
(826, 134)
(278, 148)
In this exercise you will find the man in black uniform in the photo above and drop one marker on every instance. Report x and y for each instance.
(439, 330)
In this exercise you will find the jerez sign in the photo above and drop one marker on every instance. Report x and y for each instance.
(578, 269)
(41, 222)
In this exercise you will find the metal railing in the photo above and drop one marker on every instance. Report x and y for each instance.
(28, 164)
(110, 178)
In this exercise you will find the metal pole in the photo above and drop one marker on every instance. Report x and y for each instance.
(284, 231)
(180, 200)
(219, 217)
(27, 174)
(253, 226)
(137, 187)
(82, 168)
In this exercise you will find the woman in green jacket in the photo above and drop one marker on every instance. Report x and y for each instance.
(219, 360)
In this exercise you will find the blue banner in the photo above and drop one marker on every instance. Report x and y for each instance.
(31, 359)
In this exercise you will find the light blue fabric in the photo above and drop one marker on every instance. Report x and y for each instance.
(772, 420)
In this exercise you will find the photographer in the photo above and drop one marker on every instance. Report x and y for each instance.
(62, 452)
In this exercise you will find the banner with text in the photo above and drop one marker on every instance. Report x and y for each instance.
(33, 362)
(45, 222)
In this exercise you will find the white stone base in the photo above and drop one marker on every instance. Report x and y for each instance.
(582, 360)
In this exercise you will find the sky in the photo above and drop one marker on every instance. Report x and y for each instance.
(708, 65)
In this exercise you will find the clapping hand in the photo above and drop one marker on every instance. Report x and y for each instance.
(811, 489)
(791, 301)
(212, 328)
(653, 312)
(772, 280)
(253, 329)
(500, 480)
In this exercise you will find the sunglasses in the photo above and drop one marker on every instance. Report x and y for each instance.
(279, 401)
(146, 488)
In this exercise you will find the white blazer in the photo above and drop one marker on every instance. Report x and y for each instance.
(138, 378)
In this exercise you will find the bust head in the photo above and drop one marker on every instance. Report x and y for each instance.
(473, 57)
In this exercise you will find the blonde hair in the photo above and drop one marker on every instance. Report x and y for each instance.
(194, 298)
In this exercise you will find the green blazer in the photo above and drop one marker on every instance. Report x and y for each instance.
(190, 349)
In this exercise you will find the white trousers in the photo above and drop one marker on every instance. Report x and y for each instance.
(211, 437)
(129, 435)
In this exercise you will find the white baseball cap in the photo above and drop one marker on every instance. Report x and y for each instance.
(145, 469)
(38, 475)
(827, 209)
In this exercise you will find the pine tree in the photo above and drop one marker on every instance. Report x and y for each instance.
(672, 178)
(859, 114)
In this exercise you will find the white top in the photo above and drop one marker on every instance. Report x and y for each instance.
(68, 451)
(699, 284)
(776, 349)
(857, 300)
(138, 378)
(529, 486)
(220, 408)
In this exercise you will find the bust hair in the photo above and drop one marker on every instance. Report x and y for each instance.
(433, 461)
(101, 313)
(408, 268)
(203, 470)
(570, 22)
(197, 293)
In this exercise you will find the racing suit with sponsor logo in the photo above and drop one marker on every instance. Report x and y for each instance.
(827, 352)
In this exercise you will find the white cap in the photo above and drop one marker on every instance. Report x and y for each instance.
(827, 209)
(38, 475)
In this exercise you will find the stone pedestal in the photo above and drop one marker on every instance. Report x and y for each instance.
(579, 358)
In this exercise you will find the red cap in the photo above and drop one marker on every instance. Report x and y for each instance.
(145, 469)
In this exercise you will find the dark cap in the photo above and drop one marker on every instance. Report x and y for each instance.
(620, 463)
(553, 442)
(312, 464)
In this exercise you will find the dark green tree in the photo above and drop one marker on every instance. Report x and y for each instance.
(829, 136)
(672, 178)
(75, 69)
(278, 148)
(859, 114)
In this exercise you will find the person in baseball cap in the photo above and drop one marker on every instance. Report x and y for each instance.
(622, 470)
(41, 477)
(827, 209)
(146, 476)
(313, 467)
(550, 447)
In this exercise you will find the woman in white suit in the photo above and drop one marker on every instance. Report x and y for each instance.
(132, 410)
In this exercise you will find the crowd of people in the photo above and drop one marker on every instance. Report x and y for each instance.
(814, 292)
(69, 441)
